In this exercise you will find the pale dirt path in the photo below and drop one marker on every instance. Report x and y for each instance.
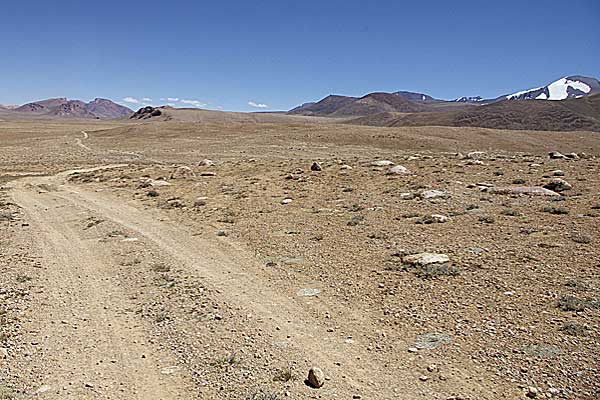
(80, 284)
(91, 344)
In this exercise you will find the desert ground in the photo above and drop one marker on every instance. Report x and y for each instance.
(212, 260)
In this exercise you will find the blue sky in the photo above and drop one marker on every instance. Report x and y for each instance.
(239, 55)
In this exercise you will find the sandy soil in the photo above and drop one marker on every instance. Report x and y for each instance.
(232, 280)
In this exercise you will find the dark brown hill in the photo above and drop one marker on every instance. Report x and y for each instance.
(567, 115)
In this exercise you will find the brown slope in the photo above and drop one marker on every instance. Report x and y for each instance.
(62, 107)
(567, 115)
(324, 107)
(375, 103)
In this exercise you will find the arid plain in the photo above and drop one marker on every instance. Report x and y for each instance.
(216, 260)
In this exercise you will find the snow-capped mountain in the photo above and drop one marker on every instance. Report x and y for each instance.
(564, 88)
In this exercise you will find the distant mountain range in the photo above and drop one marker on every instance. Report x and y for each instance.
(62, 107)
(410, 102)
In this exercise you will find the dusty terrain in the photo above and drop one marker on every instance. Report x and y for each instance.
(131, 269)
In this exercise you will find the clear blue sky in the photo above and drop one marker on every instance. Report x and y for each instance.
(282, 53)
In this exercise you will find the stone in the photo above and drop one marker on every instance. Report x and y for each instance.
(182, 173)
(309, 292)
(345, 166)
(532, 392)
(558, 172)
(155, 183)
(3, 352)
(433, 219)
(426, 259)
(398, 170)
(407, 196)
(527, 190)
(572, 156)
(434, 193)
(423, 378)
(382, 163)
(200, 201)
(205, 163)
(555, 155)
(558, 185)
(476, 155)
(316, 167)
(316, 378)
(286, 201)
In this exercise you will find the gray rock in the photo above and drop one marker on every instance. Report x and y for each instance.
(398, 170)
(426, 259)
(205, 163)
(182, 173)
(528, 190)
(382, 163)
(558, 185)
(309, 292)
(316, 167)
(555, 155)
(316, 378)
(434, 193)
(476, 155)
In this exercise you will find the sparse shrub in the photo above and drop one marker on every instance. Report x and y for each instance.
(581, 238)
(152, 193)
(572, 303)
(436, 270)
(355, 208)
(284, 375)
(518, 181)
(411, 215)
(511, 212)
(574, 329)
(263, 395)
(160, 267)
(555, 210)
(498, 173)
(357, 219)
(472, 207)
(6, 393)
(487, 219)
(23, 278)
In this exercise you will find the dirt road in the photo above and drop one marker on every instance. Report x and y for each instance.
(91, 342)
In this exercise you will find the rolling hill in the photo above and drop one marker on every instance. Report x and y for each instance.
(64, 108)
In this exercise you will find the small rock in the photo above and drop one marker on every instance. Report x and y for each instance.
(382, 163)
(558, 172)
(221, 233)
(556, 155)
(412, 350)
(207, 173)
(3, 352)
(182, 173)
(423, 378)
(398, 170)
(286, 201)
(572, 156)
(345, 167)
(476, 155)
(432, 340)
(205, 163)
(426, 258)
(434, 193)
(308, 292)
(432, 368)
(558, 185)
(532, 392)
(200, 201)
(316, 378)
(316, 167)
(529, 190)
(407, 196)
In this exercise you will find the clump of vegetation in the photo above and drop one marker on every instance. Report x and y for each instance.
(357, 219)
(6, 393)
(263, 395)
(555, 210)
(23, 278)
(472, 207)
(572, 303)
(581, 238)
(511, 212)
(152, 193)
(284, 375)
(487, 219)
(518, 181)
(574, 329)
(436, 270)
(160, 267)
